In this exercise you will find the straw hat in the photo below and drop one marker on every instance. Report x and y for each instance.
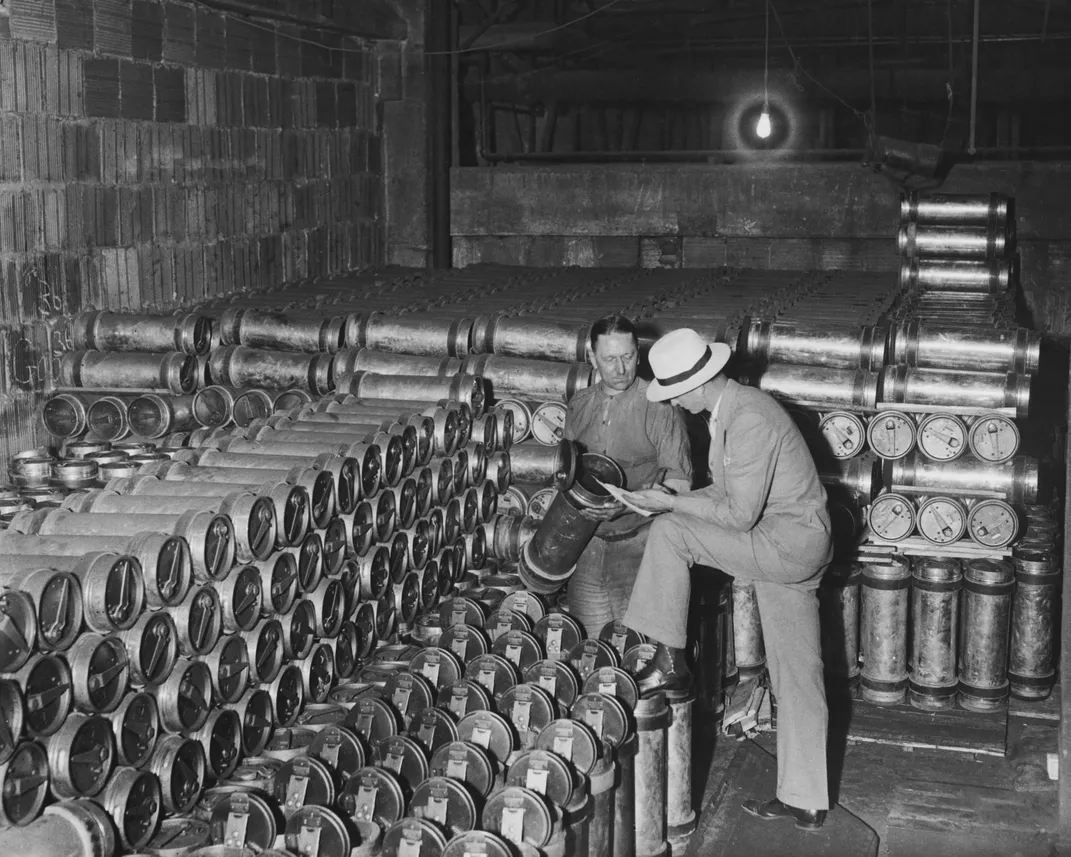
(681, 361)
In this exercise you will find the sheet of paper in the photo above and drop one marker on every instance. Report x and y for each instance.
(622, 496)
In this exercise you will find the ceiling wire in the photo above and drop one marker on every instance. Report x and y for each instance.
(873, 127)
(511, 42)
(951, 78)
(766, 63)
(798, 69)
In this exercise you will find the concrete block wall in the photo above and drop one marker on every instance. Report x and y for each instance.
(153, 153)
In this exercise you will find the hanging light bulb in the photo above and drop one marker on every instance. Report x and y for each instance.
(763, 127)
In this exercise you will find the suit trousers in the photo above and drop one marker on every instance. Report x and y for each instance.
(600, 587)
(788, 609)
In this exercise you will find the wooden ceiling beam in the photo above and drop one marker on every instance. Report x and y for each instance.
(725, 86)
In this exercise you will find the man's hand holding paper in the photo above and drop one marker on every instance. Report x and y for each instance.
(646, 501)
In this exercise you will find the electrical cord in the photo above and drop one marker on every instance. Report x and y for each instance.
(507, 44)
(797, 68)
(951, 77)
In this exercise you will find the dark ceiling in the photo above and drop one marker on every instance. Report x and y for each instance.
(843, 68)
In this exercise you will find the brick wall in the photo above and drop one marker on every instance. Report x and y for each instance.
(153, 153)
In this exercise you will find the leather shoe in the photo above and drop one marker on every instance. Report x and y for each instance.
(768, 810)
(668, 672)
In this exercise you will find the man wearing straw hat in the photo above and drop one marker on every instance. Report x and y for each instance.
(763, 519)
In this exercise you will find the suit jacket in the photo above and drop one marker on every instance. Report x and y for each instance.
(764, 481)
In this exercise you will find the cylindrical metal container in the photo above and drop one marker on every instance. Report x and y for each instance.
(455, 431)
(993, 438)
(747, 630)
(548, 560)
(66, 415)
(466, 388)
(69, 828)
(601, 827)
(960, 242)
(290, 502)
(110, 331)
(984, 634)
(935, 588)
(1035, 607)
(253, 517)
(625, 799)
(154, 416)
(968, 349)
(959, 276)
(1015, 480)
(652, 724)
(439, 425)
(510, 377)
(956, 209)
(883, 630)
(213, 407)
(342, 469)
(134, 800)
(858, 477)
(164, 563)
(319, 484)
(238, 366)
(116, 370)
(713, 625)
(81, 755)
(529, 337)
(815, 385)
(836, 348)
(680, 814)
(350, 360)
(252, 405)
(75, 473)
(838, 602)
(280, 331)
(533, 463)
(445, 336)
(210, 536)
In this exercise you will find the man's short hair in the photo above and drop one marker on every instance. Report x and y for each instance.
(615, 323)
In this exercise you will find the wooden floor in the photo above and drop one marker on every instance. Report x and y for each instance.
(923, 790)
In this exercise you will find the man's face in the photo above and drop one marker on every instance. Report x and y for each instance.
(615, 356)
(692, 401)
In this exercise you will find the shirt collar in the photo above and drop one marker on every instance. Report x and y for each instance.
(626, 392)
(714, 412)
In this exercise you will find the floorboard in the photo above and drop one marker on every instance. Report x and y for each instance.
(968, 821)
(727, 831)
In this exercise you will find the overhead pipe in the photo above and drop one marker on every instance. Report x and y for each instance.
(974, 79)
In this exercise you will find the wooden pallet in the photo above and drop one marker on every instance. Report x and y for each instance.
(1042, 709)
(956, 731)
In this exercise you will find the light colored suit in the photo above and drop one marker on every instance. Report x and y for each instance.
(767, 522)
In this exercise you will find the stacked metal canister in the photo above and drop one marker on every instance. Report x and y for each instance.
(957, 259)
(955, 557)
(257, 609)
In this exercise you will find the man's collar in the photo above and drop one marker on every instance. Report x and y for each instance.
(631, 388)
